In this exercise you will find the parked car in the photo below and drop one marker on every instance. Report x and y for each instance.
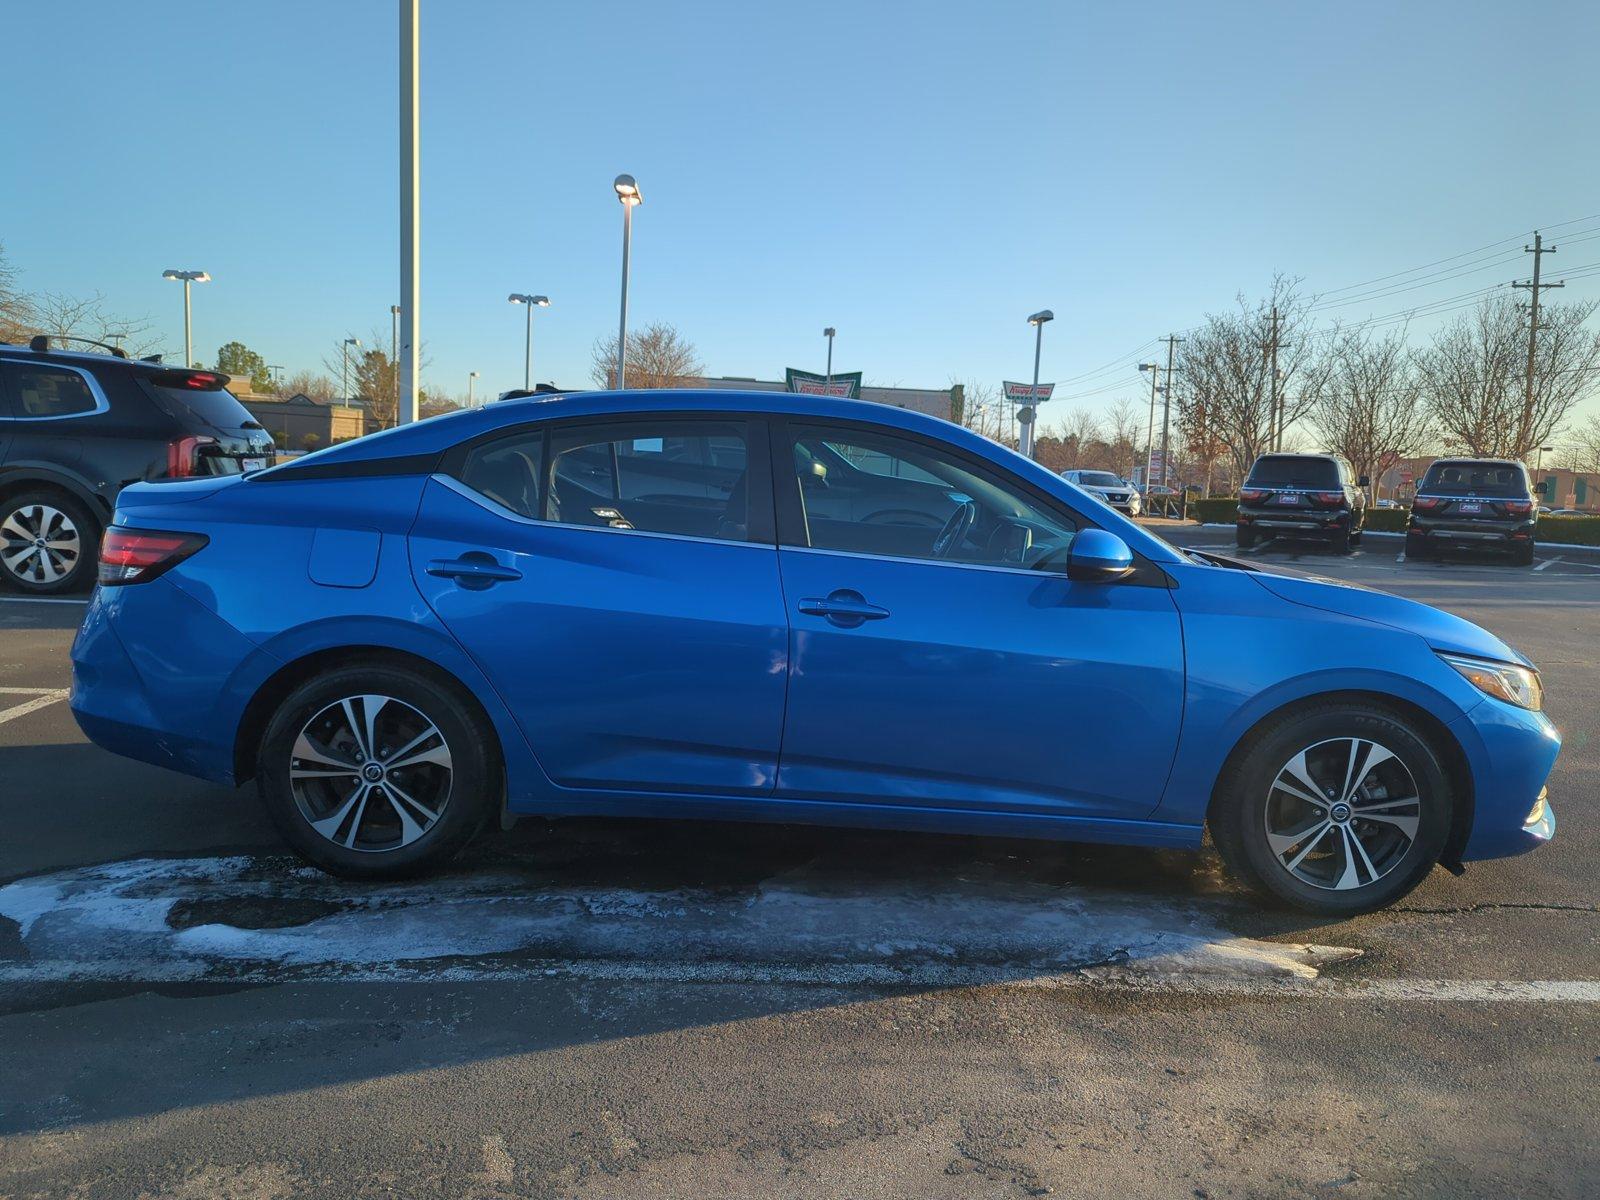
(1564, 512)
(1473, 503)
(1302, 496)
(1110, 487)
(654, 604)
(75, 428)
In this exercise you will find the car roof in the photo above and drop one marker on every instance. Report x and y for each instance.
(1478, 462)
(80, 358)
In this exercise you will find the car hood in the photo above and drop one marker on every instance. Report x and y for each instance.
(1441, 630)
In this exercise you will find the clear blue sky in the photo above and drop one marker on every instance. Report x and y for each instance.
(921, 176)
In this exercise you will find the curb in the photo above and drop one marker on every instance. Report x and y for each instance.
(1386, 533)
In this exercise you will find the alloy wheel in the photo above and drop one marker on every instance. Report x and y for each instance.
(39, 544)
(1342, 813)
(370, 773)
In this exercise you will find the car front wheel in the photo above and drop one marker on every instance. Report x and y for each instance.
(1338, 809)
(377, 772)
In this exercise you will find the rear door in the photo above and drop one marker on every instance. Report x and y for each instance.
(618, 583)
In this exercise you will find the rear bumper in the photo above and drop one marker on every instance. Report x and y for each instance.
(1292, 520)
(1464, 533)
(154, 705)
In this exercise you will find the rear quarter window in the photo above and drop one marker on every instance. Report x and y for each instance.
(40, 391)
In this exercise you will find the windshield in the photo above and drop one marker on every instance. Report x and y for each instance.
(1099, 479)
(1293, 471)
(1465, 478)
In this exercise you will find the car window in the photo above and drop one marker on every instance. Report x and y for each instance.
(660, 476)
(1478, 478)
(507, 472)
(46, 391)
(871, 493)
(1293, 471)
(1098, 479)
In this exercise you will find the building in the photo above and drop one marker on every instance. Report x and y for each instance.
(300, 423)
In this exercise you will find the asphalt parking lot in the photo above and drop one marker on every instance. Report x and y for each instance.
(628, 1009)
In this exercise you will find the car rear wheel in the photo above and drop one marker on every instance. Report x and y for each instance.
(1338, 809)
(377, 772)
(1416, 547)
(1522, 556)
(1244, 538)
(49, 543)
(1339, 540)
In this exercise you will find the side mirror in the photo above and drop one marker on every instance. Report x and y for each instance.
(814, 475)
(1096, 556)
(1363, 481)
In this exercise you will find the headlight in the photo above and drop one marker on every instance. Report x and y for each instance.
(1502, 680)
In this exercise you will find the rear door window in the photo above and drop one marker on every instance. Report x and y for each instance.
(41, 391)
(1293, 471)
(1446, 478)
(507, 472)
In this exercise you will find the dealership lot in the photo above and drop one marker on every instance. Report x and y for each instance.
(625, 1008)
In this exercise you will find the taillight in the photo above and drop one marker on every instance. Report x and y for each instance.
(1251, 495)
(1518, 508)
(1427, 503)
(1334, 498)
(139, 555)
(183, 456)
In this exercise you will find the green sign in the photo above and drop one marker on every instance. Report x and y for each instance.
(808, 384)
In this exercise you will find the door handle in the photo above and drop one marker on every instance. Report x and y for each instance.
(473, 570)
(844, 608)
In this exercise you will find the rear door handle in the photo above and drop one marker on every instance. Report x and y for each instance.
(844, 608)
(473, 570)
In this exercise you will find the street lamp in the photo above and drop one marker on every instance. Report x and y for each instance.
(394, 355)
(1037, 320)
(187, 277)
(531, 303)
(629, 195)
(1538, 464)
(471, 378)
(828, 333)
(1150, 432)
(344, 366)
(276, 371)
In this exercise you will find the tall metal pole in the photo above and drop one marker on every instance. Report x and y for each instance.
(1172, 341)
(394, 354)
(828, 333)
(1525, 431)
(344, 373)
(188, 332)
(1033, 396)
(410, 202)
(622, 324)
(527, 353)
(1150, 432)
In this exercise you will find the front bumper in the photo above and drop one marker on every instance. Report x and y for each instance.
(1510, 752)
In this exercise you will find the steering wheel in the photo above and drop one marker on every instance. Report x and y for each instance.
(955, 530)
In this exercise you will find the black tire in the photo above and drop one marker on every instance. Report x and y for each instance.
(472, 779)
(1244, 538)
(67, 563)
(1339, 540)
(1522, 556)
(1416, 547)
(1240, 809)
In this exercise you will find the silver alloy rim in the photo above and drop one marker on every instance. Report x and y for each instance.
(39, 544)
(1342, 813)
(370, 773)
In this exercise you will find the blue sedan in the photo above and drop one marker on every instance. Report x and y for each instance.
(782, 608)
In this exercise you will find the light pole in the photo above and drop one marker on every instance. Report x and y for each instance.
(410, 201)
(530, 303)
(187, 277)
(394, 355)
(276, 371)
(344, 366)
(472, 377)
(1150, 432)
(828, 333)
(628, 193)
(1038, 321)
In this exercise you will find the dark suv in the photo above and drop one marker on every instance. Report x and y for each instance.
(1302, 495)
(76, 428)
(1483, 503)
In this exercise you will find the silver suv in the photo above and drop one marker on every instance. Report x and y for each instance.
(1110, 487)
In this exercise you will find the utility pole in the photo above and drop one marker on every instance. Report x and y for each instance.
(1150, 431)
(1172, 341)
(1538, 250)
(1275, 408)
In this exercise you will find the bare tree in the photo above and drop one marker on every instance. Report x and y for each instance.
(309, 383)
(1225, 365)
(1369, 411)
(982, 409)
(1122, 428)
(60, 317)
(1582, 448)
(658, 357)
(16, 310)
(1474, 375)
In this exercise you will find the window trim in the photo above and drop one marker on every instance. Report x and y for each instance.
(760, 526)
(101, 404)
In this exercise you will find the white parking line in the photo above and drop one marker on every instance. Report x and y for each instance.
(42, 698)
(1546, 563)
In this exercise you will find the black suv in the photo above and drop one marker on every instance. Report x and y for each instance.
(1302, 495)
(1483, 503)
(76, 428)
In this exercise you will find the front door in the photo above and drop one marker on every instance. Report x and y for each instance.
(940, 658)
(618, 584)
